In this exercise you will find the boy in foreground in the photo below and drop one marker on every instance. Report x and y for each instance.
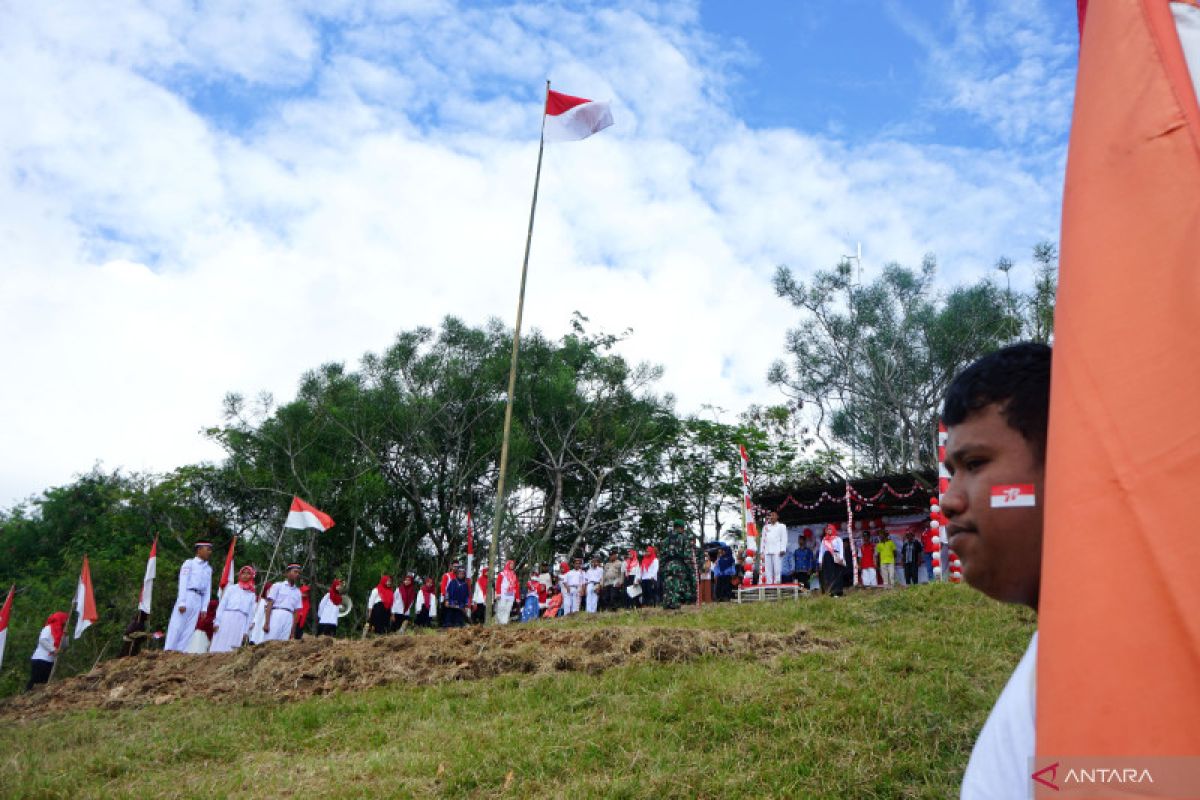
(996, 417)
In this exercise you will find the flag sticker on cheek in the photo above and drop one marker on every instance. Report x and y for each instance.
(1013, 495)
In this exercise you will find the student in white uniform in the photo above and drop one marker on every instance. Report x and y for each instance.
(195, 588)
(328, 608)
(572, 585)
(996, 414)
(234, 613)
(507, 592)
(426, 605)
(49, 642)
(775, 541)
(283, 601)
(593, 577)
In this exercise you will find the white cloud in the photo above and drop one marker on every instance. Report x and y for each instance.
(152, 259)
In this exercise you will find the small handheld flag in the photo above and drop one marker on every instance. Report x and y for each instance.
(228, 572)
(4, 612)
(148, 581)
(85, 601)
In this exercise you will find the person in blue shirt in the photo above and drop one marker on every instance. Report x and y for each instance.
(803, 561)
(724, 571)
(458, 596)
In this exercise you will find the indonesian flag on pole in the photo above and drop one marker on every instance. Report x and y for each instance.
(227, 573)
(569, 118)
(148, 581)
(747, 507)
(1123, 447)
(4, 612)
(304, 516)
(85, 602)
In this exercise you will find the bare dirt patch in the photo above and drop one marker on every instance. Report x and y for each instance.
(281, 671)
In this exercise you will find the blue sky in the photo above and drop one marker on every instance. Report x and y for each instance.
(202, 198)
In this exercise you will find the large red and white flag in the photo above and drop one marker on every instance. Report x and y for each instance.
(570, 118)
(1123, 448)
(148, 580)
(470, 546)
(4, 612)
(85, 601)
(227, 573)
(304, 516)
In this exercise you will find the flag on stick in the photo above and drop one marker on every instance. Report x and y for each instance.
(1123, 448)
(227, 573)
(148, 581)
(4, 612)
(304, 516)
(85, 601)
(570, 118)
(470, 547)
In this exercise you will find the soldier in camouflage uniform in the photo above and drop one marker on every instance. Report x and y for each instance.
(678, 570)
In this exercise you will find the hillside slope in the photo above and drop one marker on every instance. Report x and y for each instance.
(874, 695)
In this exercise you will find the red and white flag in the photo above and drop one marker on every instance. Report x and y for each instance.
(470, 546)
(148, 581)
(304, 516)
(85, 601)
(1015, 495)
(569, 118)
(227, 573)
(4, 612)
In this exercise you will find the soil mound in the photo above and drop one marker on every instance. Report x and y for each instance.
(281, 671)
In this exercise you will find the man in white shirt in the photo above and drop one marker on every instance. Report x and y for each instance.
(775, 539)
(996, 415)
(572, 585)
(195, 587)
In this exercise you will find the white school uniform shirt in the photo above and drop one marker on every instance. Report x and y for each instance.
(398, 602)
(419, 605)
(634, 572)
(775, 538)
(327, 611)
(195, 584)
(1000, 762)
(837, 550)
(594, 575)
(573, 579)
(651, 572)
(235, 598)
(376, 597)
(45, 645)
(284, 598)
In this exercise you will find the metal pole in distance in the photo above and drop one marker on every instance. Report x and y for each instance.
(498, 514)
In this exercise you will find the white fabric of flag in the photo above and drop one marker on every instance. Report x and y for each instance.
(570, 118)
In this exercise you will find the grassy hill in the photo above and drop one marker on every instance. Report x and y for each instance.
(875, 695)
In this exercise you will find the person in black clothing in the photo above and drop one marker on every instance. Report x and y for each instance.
(910, 556)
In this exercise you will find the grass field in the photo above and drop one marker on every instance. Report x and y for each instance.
(890, 712)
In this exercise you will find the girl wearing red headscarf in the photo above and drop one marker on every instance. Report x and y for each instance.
(302, 614)
(633, 580)
(426, 605)
(650, 577)
(328, 608)
(479, 595)
(403, 601)
(49, 642)
(234, 613)
(380, 604)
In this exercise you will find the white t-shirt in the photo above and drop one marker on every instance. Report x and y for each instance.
(327, 611)
(1001, 764)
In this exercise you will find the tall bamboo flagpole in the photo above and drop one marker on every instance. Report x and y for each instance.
(498, 514)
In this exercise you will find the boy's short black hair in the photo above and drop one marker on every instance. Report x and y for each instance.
(1018, 378)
